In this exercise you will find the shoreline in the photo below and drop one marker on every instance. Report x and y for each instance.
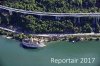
(11, 34)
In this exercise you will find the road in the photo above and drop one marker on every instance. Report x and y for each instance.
(48, 13)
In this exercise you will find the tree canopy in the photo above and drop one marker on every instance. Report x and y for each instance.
(56, 5)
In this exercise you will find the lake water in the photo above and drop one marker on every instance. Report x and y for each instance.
(12, 54)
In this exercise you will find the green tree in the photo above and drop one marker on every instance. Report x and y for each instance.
(87, 28)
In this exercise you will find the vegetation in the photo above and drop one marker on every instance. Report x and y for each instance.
(14, 35)
(97, 39)
(55, 5)
(35, 24)
(32, 24)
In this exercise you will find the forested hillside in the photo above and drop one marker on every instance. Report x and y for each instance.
(55, 5)
(33, 23)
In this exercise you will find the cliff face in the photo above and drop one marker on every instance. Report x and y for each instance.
(55, 5)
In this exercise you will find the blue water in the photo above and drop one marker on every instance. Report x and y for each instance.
(12, 54)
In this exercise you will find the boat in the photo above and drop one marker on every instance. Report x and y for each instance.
(32, 43)
(73, 41)
(8, 37)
